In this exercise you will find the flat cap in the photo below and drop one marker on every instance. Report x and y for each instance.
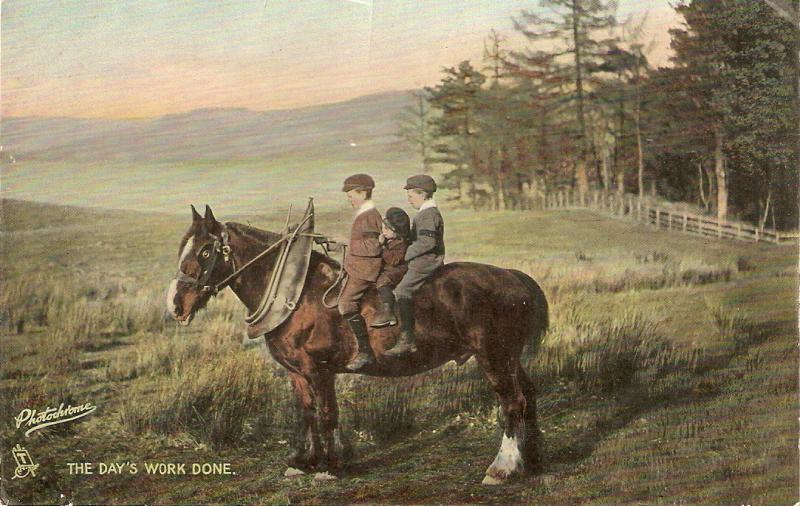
(421, 182)
(358, 182)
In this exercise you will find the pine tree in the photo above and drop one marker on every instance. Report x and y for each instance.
(415, 130)
(577, 22)
(457, 98)
(734, 83)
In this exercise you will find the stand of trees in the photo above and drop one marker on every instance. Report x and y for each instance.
(583, 109)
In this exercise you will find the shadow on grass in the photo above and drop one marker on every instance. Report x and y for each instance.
(678, 387)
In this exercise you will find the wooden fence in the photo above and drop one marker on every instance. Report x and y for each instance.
(631, 207)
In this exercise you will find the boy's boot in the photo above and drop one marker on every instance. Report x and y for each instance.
(385, 315)
(405, 343)
(364, 356)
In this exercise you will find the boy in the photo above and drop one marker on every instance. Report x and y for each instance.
(424, 256)
(394, 238)
(362, 263)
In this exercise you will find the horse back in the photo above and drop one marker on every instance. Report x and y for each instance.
(483, 298)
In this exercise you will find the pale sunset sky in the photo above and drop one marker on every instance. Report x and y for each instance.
(145, 58)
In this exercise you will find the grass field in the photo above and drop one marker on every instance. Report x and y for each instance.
(669, 375)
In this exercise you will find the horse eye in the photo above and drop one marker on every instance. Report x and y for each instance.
(205, 254)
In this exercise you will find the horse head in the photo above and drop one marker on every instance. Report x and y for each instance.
(203, 261)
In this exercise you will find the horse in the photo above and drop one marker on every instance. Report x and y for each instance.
(464, 310)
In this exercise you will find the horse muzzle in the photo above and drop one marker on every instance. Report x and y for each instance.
(175, 305)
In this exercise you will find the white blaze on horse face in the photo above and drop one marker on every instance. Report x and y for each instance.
(187, 249)
(171, 294)
(173, 287)
(507, 462)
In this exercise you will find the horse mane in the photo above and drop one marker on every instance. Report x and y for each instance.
(265, 237)
(253, 233)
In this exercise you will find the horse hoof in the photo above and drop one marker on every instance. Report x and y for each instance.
(324, 476)
(292, 472)
(490, 480)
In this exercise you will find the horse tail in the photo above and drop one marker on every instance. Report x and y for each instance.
(539, 317)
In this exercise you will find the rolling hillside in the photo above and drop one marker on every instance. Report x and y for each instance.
(209, 134)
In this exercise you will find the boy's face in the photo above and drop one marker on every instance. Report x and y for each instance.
(415, 197)
(388, 232)
(356, 198)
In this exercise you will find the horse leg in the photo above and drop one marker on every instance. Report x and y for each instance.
(306, 454)
(325, 391)
(531, 452)
(506, 384)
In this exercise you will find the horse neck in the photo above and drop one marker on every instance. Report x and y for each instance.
(246, 243)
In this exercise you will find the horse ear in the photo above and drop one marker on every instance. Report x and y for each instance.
(209, 216)
(195, 215)
(210, 223)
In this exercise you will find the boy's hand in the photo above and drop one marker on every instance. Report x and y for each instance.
(382, 239)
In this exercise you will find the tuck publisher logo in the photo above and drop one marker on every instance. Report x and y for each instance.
(25, 465)
(35, 420)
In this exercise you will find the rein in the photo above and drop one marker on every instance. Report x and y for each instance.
(339, 278)
(222, 284)
(221, 246)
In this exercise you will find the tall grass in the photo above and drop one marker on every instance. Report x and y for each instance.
(592, 354)
(90, 313)
(598, 355)
(653, 270)
(212, 401)
(203, 383)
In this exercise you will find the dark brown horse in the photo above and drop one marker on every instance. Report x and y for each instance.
(464, 310)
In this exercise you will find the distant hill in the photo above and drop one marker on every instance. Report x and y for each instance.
(369, 122)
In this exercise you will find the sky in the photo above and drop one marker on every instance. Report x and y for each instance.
(146, 58)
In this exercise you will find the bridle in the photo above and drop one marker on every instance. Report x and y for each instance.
(210, 256)
(207, 257)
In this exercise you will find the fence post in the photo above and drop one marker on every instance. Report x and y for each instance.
(757, 233)
(739, 231)
(684, 222)
(719, 228)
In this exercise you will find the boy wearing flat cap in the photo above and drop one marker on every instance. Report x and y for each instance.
(424, 256)
(394, 239)
(362, 263)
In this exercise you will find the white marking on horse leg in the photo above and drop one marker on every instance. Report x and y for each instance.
(171, 294)
(507, 462)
